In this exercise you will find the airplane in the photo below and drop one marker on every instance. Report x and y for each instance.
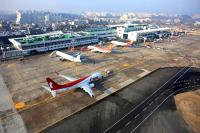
(64, 56)
(100, 49)
(85, 83)
(122, 44)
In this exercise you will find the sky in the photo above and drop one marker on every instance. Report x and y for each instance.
(189, 7)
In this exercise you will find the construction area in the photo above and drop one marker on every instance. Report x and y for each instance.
(30, 108)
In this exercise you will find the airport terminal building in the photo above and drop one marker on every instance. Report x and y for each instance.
(58, 40)
(149, 34)
(137, 32)
(32, 44)
(52, 41)
(101, 33)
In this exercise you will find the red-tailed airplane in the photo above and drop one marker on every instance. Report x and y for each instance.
(122, 44)
(100, 49)
(85, 83)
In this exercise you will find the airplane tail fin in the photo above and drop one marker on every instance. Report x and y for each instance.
(78, 57)
(52, 53)
(130, 42)
(52, 84)
(110, 47)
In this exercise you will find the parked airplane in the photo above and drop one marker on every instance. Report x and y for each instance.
(122, 44)
(64, 56)
(85, 83)
(100, 49)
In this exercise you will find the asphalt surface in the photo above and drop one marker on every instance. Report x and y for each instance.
(181, 81)
(136, 102)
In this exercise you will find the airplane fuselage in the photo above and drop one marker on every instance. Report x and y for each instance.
(99, 49)
(122, 44)
(83, 83)
(67, 57)
(75, 86)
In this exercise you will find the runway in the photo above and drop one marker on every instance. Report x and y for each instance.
(135, 118)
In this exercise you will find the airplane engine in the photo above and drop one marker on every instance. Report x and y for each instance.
(92, 85)
(61, 59)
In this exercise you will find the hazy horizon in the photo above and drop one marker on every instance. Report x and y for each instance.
(189, 7)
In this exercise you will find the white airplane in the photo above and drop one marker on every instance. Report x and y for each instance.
(85, 83)
(100, 49)
(64, 56)
(122, 44)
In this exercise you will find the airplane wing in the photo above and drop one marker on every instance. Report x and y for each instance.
(53, 93)
(88, 89)
(67, 77)
(94, 50)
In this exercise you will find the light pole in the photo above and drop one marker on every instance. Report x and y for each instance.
(3, 55)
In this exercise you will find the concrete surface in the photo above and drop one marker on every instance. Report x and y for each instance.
(5, 98)
(13, 123)
(100, 116)
(24, 80)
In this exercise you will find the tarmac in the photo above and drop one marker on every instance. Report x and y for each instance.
(99, 117)
(15, 122)
(5, 97)
(24, 79)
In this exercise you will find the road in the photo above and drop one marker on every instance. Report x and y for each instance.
(134, 118)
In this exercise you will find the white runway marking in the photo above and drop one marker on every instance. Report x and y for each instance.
(151, 103)
(127, 123)
(144, 109)
(137, 115)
